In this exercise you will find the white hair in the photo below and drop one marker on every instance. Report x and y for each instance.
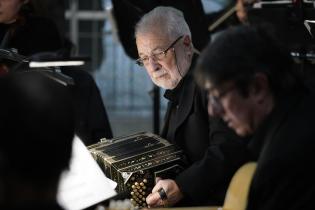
(166, 19)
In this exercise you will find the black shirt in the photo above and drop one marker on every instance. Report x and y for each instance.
(173, 97)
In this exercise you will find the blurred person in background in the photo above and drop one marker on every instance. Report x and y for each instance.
(32, 36)
(26, 32)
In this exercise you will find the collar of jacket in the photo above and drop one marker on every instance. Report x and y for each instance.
(273, 122)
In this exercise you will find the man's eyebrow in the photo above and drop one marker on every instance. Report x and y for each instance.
(155, 49)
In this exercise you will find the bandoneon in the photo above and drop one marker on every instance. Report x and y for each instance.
(135, 161)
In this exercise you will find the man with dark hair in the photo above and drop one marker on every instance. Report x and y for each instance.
(36, 133)
(253, 86)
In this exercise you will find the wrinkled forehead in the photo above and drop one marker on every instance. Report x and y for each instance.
(148, 42)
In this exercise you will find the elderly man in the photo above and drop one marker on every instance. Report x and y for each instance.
(255, 89)
(213, 151)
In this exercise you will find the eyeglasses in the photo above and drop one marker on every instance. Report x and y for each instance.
(215, 101)
(156, 56)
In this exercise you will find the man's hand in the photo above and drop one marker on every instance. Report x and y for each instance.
(171, 189)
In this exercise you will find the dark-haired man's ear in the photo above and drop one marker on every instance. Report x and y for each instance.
(259, 88)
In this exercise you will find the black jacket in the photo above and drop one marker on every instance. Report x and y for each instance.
(213, 150)
(92, 121)
(31, 35)
(284, 145)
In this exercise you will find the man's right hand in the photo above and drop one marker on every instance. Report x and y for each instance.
(173, 193)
